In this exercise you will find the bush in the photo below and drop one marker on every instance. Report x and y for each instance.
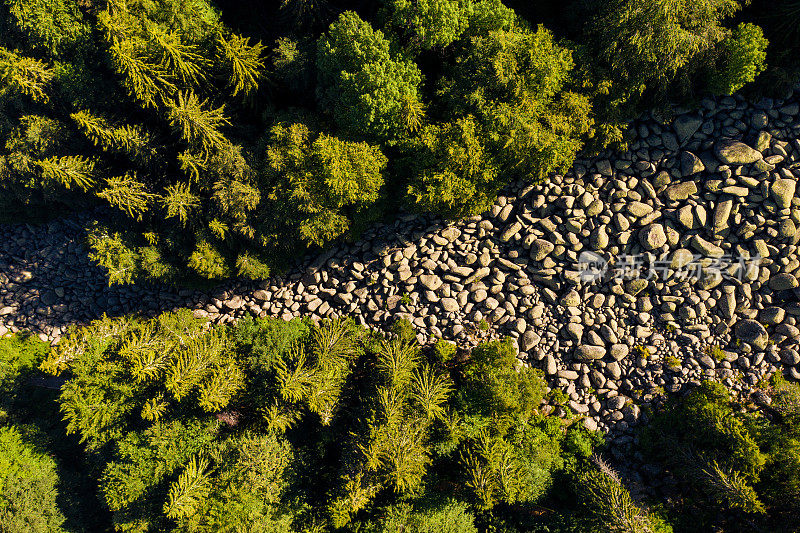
(28, 480)
(19, 357)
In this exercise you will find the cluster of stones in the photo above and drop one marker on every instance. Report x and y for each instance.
(714, 189)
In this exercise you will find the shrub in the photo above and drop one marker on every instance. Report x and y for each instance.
(444, 351)
(404, 330)
(28, 480)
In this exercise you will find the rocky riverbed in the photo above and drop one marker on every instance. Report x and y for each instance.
(634, 273)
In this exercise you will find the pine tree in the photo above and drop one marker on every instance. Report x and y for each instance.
(220, 386)
(207, 261)
(244, 62)
(68, 171)
(610, 502)
(397, 361)
(193, 363)
(130, 139)
(147, 81)
(430, 391)
(179, 201)
(115, 254)
(182, 60)
(186, 495)
(24, 75)
(198, 126)
(127, 194)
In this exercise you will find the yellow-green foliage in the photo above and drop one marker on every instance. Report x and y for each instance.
(28, 486)
(324, 183)
(120, 365)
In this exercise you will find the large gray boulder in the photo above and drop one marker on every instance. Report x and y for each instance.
(731, 152)
(751, 332)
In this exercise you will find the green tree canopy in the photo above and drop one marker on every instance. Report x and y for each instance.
(361, 83)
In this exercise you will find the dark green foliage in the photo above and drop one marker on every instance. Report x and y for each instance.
(430, 23)
(19, 356)
(662, 51)
(322, 183)
(450, 517)
(732, 465)
(218, 156)
(404, 330)
(444, 351)
(611, 506)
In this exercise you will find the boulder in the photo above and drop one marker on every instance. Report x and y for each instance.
(681, 191)
(587, 352)
(540, 249)
(783, 282)
(686, 126)
(732, 152)
(691, 164)
(652, 237)
(751, 332)
(782, 192)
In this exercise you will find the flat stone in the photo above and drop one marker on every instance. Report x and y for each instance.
(787, 228)
(681, 191)
(721, 215)
(686, 126)
(638, 209)
(706, 248)
(778, 282)
(541, 248)
(587, 352)
(782, 191)
(451, 234)
(550, 366)
(751, 332)
(430, 281)
(635, 286)
(511, 230)
(234, 303)
(450, 304)
(686, 217)
(571, 299)
(680, 258)
(691, 164)
(731, 152)
(772, 315)
(619, 352)
(261, 295)
(530, 339)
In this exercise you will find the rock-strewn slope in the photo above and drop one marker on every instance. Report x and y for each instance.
(704, 209)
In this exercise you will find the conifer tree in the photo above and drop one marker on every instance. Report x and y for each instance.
(130, 139)
(188, 492)
(24, 75)
(198, 126)
(180, 202)
(127, 194)
(68, 171)
(243, 60)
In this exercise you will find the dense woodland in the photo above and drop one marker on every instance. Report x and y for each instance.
(173, 424)
(204, 141)
(220, 140)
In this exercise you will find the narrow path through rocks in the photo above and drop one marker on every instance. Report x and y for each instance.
(630, 275)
